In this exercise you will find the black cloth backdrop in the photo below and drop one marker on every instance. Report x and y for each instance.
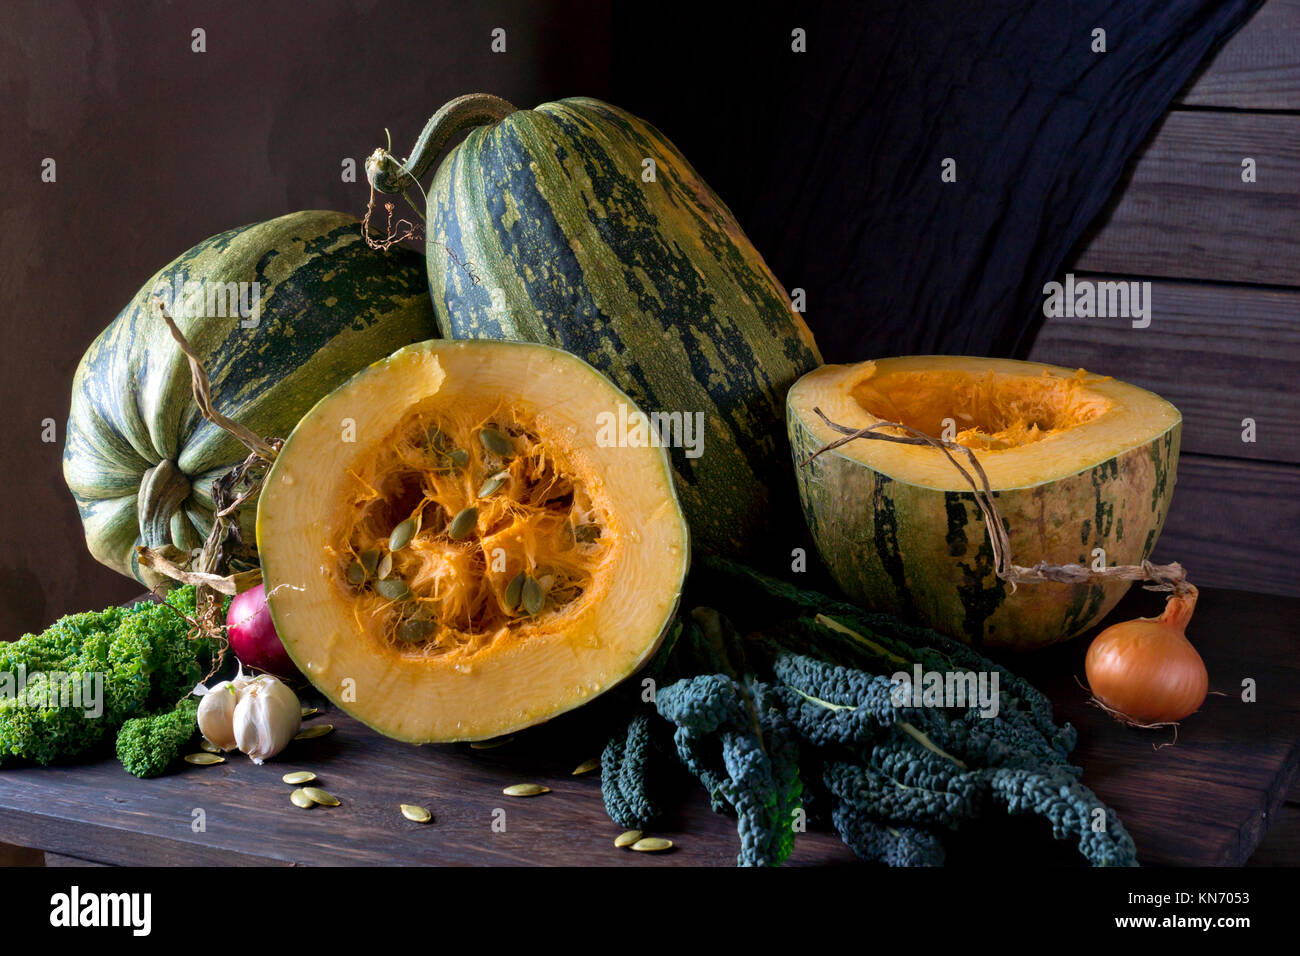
(831, 158)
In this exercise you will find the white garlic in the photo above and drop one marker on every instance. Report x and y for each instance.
(217, 710)
(266, 718)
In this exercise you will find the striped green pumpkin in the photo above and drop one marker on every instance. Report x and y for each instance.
(548, 226)
(139, 458)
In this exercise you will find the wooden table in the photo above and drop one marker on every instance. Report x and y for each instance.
(1206, 800)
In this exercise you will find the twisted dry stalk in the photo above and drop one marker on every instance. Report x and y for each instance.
(229, 493)
(1159, 577)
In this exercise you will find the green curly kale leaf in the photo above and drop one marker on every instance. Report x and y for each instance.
(86, 674)
(147, 745)
(893, 846)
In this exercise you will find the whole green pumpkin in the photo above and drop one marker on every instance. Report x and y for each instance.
(580, 226)
(280, 312)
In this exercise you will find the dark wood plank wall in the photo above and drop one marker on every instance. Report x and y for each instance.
(1223, 259)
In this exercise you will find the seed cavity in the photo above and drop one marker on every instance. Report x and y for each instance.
(415, 629)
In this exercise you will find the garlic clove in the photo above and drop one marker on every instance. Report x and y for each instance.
(217, 714)
(266, 718)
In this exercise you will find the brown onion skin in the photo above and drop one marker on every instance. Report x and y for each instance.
(1146, 669)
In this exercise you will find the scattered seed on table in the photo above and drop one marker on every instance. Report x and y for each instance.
(652, 845)
(315, 730)
(587, 766)
(416, 814)
(323, 797)
(490, 744)
(627, 838)
(310, 712)
(209, 746)
(299, 776)
(204, 759)
(299, 798)
(525, 790)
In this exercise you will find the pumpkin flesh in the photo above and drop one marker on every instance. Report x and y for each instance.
(597, 528)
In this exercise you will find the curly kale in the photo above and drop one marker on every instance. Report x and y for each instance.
(86, 674)
(636, 772)
(802, 709)
(147, 745)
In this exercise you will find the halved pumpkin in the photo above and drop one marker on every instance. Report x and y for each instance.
(1077, 462)
(454, 549)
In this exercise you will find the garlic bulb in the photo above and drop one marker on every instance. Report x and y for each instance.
(217, 710)
(266, 718)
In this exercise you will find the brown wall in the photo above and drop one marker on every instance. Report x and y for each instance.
(158, 147)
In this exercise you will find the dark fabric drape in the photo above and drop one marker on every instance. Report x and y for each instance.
(831, 158)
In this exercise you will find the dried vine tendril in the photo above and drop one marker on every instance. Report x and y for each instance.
(1158, 577)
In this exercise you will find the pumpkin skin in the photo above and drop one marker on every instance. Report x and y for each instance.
(542, 229)
(140, 459)
(480, 669)
(900, 532)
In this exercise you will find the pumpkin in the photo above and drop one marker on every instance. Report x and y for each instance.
(280, 313)
(1082, 469)
(453, 550)
(580, 226)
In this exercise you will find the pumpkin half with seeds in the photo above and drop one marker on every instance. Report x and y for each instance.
(454, 549)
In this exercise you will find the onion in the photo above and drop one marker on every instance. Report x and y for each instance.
(252, 635)
(1146, 672)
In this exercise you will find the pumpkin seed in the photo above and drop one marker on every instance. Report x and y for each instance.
(515, 590)
(415, 629)
(314, 731)
(532, 597)
(627, 838)
(586, 533)
(490, 744)
(299, 798)
(323, 797)
(310, 712)
(403, 533)
(587, 766)
(356, 573)
(496, 442)
(209, 746)
(299, 776)
(493, 484)
(652, 844)
(416, 814)
(369, 559)
(464, 523)
(525, 790)
(394, 589)
(385, 567)
(204, 759)
(459, 458)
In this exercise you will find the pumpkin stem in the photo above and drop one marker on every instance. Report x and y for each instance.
(388, 175)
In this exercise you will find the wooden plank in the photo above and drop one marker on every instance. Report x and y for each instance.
(1235, 524)
(1208, 798)
(1204, 801)
(1258, 68)
(1182, 210)
(1221, 353)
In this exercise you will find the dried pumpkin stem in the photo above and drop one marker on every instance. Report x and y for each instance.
(1159, 577)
